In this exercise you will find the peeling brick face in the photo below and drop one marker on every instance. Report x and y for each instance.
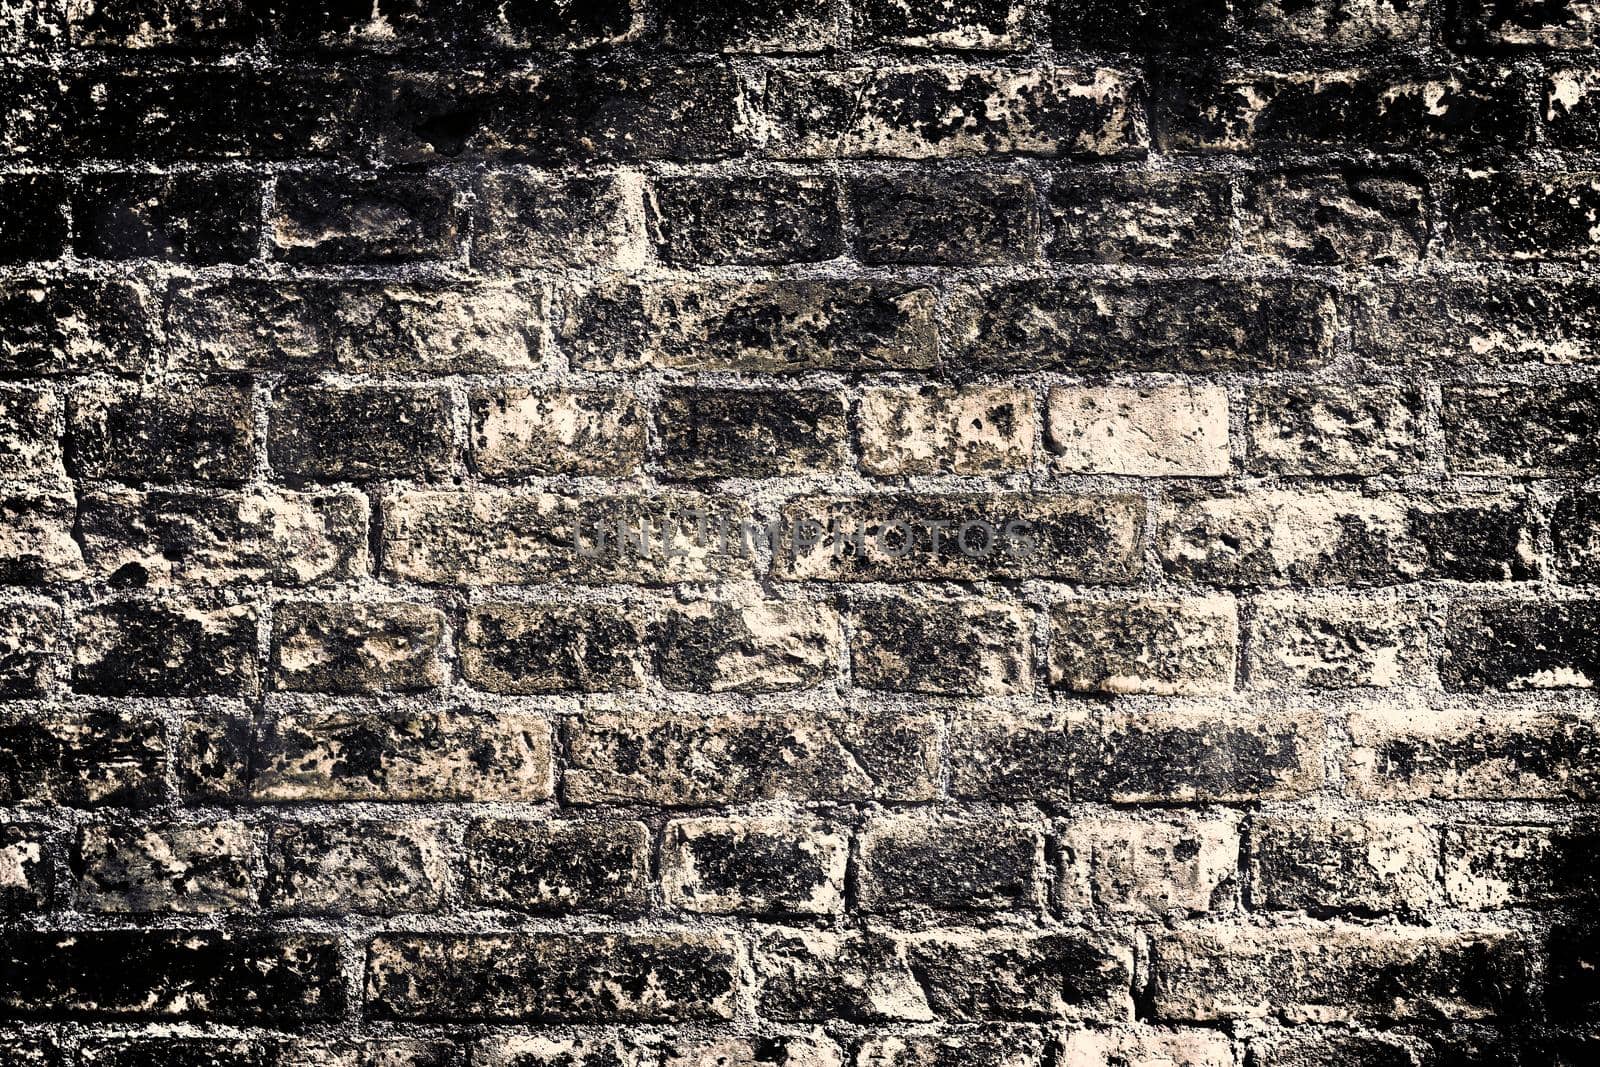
(799, 533)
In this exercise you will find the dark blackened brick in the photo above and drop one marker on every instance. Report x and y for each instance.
(33, 113)
(765, 219)
(85, 757)
(761, 646)
(355, 434)
(370, 866)
(170, 1051)
(1353, 217)
(723, 433)
(1575, 529)
(978, 864)
(552, 648)
(216, 25)
(393, 218)
(1369, 864)
(1507, 429)
(967, 646)
(855, 976)
(1519, 644)
(26, 871)
(935, 217)
(1112, 218)
(1500, 215)
(989, 25)
(192, 869)
(1179, 26)
(1281, 26)
(747, 25)
(33, 221)
(202, 219)
(1571, 995)
(132, 648)
(544, 977)
(1369, 428)
(1150, 645)
(558, 866)
(1511, 866)
(1571, 109)
(199, 433)
(198, 974)
(52, 325)
(357, 648)
(1202, 755)
(31, 25)
(757, 866)
(533, 219)
(1454, 322)
(31, 640)
(986, 1046)
(1002, 975)
(412, 25)
(1520, 25)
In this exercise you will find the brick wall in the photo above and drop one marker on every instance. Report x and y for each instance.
(324, 330)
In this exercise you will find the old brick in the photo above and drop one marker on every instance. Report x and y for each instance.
(270, 1052)
(1115, 218)
(558, 866)
(781, 326)
(1136, 867)
(552, 648)
(131, 24)
(134, 648)
(1522, 644)
(1174, 429)
(473, 24)
(946, 218)
(1006, 755)
(357, 648)
(1143, 26)
(836, 975)
(1571, 109)
(1501, 215)
(988, 975)
(1296, 642)
(917, 112)
(333, 435)
(1351, 217)
(747, 25)
(36, 543)
(75, 324)
(1337, 973)
(356, 327)
(30, 443)
(810, 1049)
(754, 866)
(1371, 864)
(981, 25)
(530, 219)
(1084, 326)
(1164, 647)
(518, 432)
(544, 977)
(33, 219)
(1330, 429)
(367, 866)
(1284, 24)
(26, 877)
(1503, 429)
(397, 218)
(964, 864)
(396, 752)
(1575, 530)
(1130, 1045)
(1456, 322)
(751, 220)
(760, 646)
(88, 757)
(960, 646)
(1570, 996)
(692, 758)
(1564, 26)
(945, 430)
(199, 868)
(1337, 537)
(32, 24)
(720, 433)
(545, 1050)
(1510, 866)
(201, 219)
(1008, 1045)
(32, 647)
(162, 434)
(212, 753)
(922, 537)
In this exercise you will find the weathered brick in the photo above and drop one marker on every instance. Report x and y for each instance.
(195, 869)
(26, 877)
(473, 24)
(972, 646)
(373, 866)
(1203, 752)
(722, 433)
(396, 752)
(835, 975)
(1009, 1045)
(1330, 24)
(1563, 26)
(1503, 215)
(201, 219)
(544, 977)
(781, 326)
(135, 648)
(1571, 109)
(1115, 218)
(32, 24)
(1170, 429)
(747, 25)
(270, 1052)
(36, 543)
(30, 443)
(937, 429)
(1130, 1045)
(811, 1049)
(1297, 642)
(355, 434)
(1129, 866)
(980, 25)
(1369, 864)
(692, 758)
(171, 974)
(754, 866)
(1409, 752)
(1575, 531)
(924, 537)
(1509, 866)
(33, 218)
(1154, 26)
(75, 323)
(1005, 755)
(517, 432)
(88, 757)
(1537, 429)
(744, 219)
(339, 218)
(1467, 321)
(759, 646)
(1351, 217)
(917, 112)
(32, 649)
(1570, 996)
(552, 648)
(558, 866)
(946, 218)
(524, 219)
(1164, 647)
(357, 648)
(545, 1050)
(1522, 644)
(1337, 973)
(1279, 537)
(1083, 326)
(1334, 430)
(914, 861)
(162, 434)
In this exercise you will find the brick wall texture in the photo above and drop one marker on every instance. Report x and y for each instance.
(1159, 441)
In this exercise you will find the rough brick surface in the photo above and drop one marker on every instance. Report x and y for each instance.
(799, 533)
